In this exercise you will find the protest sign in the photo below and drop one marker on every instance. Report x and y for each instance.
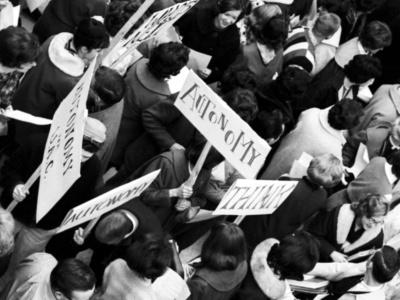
(254, 197)
(62, 157)
(222, 127)
(155, 25)
(106, 202)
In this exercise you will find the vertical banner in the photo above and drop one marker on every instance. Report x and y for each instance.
(222, 127)
(61, 165)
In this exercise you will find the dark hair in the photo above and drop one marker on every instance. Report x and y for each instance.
(394, 160)
(109, 85)
(119, 12)
(371, 206)
(237, 76)
(363, 68)
(367, 5)
(225, 248)
(273, 33)
(295, 255)
(269, 125)
(17, 47)
(228, 5)
(375, 35)
(293, 82)
(300, 7)
(72, 275)
(243, 102)
(168, 59)
(193, 151)
(113, 226)
(345, 114)
(385, 264)
(149, 256)
(91, 34)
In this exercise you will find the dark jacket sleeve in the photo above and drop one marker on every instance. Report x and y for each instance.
(350, 149)
(155, 120)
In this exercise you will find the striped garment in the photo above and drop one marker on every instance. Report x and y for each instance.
(298, 50)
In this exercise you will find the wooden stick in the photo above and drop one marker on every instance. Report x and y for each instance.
(239, 220)
(31, 180)
(89, 227)
(128, 25)
(199, 165)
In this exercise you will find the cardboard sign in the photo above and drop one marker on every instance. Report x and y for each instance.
(156, 24)
(222, 127)
(106, 202)
(61, 165)
(254, 197)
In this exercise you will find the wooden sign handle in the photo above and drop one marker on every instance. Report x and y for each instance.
(89, 227)
(199, 165)
(31, 180)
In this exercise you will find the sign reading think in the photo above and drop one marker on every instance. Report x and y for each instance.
(106, 202)
(254, 197)
(222, 127)
(159, 21)
(61, 165)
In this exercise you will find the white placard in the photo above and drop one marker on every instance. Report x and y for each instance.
(61, 165)
(222, 127)
(254, 197)
(106, 202)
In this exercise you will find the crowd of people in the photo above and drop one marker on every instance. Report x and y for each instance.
(318, 80)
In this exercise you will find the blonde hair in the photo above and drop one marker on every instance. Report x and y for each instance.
(325, 170)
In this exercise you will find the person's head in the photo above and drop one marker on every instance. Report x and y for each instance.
(228, 13)
(363, 69)
(262, 14)
(108, 88)
(345, 114)
(293, 82)
(168, 59)
(375, 36)
(114, 227)
(273, 33)
(269, 125)
(243, 102)
(193, 151)
(326, 25)
(394, 160)
(72, 279)
(395, 132)
(7, 226)
(325, 170)
(295, 255)
(18, 49)
(384, 264)
(149, 256)
(371, 211)
(225, 248)
(237, 77)
(119, 12)
(94, 135)
(367, 5)
(90, 37)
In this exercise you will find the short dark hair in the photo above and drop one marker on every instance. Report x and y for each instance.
(119, 12)
(243, 102)
(168, 59)
(394, 160)
(273, 33)
(363, 68)
(17, 47)
(149, 256)
(114, 225)
(295, 255)
(385, 264)
(345, 114)
(72, 275)
(91, 34)
(371, 206)
(269, 125)
(367, 5)
(225, 248)
(237, 76)
(228, 5)
(109, 85)
(293, 82)
(375, 35)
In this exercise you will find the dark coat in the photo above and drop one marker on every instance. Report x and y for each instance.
(217, 285)
(305, 200)
(198, 32)
(20, 167)
(64, 16)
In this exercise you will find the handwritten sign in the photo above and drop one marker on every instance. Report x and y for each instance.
(254, 197)
(106, 202)
(62, 157)
(222, 127)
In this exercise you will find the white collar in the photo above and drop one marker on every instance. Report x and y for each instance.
(389, 174)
